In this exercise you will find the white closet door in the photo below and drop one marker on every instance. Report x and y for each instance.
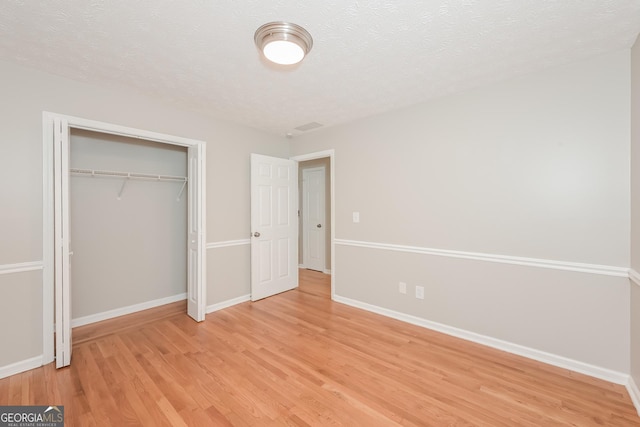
(62, 281)
(196, 289)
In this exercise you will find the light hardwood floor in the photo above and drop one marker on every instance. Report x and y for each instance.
(299, 359)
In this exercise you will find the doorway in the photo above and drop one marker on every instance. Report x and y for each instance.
(274, 206)
(56, 238)
(327, 159)
(315, 215)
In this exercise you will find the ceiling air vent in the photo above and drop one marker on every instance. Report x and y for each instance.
(309, 126)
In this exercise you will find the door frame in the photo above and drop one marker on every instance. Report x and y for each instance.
(332, 170)
(304, 192)
(48, 206)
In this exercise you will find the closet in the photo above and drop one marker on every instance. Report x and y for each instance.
(128, 222)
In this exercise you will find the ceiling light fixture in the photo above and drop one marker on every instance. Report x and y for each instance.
(283, 43)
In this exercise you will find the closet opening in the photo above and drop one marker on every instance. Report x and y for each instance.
(124, 225)
(128, 225)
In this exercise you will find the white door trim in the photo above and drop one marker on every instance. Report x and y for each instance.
(48, 205)
(332, 170)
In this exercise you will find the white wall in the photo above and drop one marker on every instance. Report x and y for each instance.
(537, 168)
(26, 94)
(635, 217)
(128, 250)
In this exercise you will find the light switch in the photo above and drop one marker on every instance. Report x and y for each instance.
(356, 217)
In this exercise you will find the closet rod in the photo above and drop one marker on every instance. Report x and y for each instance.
(128, 175)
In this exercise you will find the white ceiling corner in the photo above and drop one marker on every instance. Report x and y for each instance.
(367, 58)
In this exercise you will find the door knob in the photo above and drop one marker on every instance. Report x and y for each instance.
(319, 225)
(256, 234)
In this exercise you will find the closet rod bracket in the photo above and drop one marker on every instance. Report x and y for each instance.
(184, 184)
(124, 184)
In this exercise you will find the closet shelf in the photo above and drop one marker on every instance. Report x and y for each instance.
(128, 175)
(132, 175)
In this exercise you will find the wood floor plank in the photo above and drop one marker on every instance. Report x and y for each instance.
(299, 359)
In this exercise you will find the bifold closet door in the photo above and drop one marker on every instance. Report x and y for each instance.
(62, 239)
(196, 288)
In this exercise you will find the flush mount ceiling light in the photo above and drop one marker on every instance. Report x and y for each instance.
(283, 43)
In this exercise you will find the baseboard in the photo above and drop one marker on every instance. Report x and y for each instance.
(634, 392)
(325, 271)
(24, 365)
(228, 303)
(541, 356)
(105, 315)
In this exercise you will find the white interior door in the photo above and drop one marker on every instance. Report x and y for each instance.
(313, 218)
(196, 289)
(274, 226)
(62, 239)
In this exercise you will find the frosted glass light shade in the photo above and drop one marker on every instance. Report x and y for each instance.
(283, 52)
(283, 43)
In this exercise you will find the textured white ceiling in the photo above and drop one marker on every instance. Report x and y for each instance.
(368, 56)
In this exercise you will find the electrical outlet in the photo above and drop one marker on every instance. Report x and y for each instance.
(356, 217)
(420, 292)
(402, 288)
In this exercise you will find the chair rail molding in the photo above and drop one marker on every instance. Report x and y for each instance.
(228, 243)
(606, 270)
(20, 267)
